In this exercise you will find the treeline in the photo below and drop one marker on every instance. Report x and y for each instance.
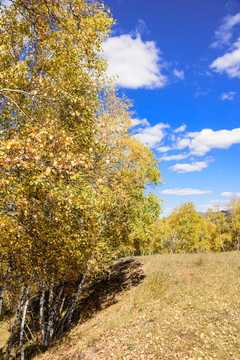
(72, 178)
(185, 230)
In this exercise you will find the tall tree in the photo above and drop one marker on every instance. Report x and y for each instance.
(71, 176)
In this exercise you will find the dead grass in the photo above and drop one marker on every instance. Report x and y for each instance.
(187, 307)
(4, 334)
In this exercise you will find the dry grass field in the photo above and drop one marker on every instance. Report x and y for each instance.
(186, 307)
(157, 307)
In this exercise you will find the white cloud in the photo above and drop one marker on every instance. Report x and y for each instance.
(223, 34)
(183, 143)
(174, 157)
(180, 129)
(178, 74)
(141, 27)
(152, 135)
(228, 96)
(202, 142)
(205, 207)
(185, 168)
(230, 194)
(229, 62)
(163, 149)
(6, 2)
(227, 193)
(201, 93)
(217, 202)
(184, 192)
(136, 63)
(140, 122)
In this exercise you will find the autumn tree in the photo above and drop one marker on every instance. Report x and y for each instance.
(207, 233)
(222, 230)
(72, 179)
(51, 78)
(234, 214)
(128, 166)
(162, 236)
(186, 222)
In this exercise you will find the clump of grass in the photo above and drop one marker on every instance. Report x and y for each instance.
(199, 261)
(153, 287)
(156, 284)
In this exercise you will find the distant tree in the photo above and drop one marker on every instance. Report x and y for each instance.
(208, 229)
(222, 231)
(234, 213)
(186, 223)
(163, 239)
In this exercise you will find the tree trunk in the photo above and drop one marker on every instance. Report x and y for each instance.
(41, 310)
(51, 316)
(19, 309)
(68, 316)
(30, 332)
(23, 323)
(220, 236)
(4, 286)
(60, 309)
(238, 245)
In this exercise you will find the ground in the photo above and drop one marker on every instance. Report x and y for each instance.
(160, 307)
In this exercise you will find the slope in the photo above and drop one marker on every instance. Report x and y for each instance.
(186, 307)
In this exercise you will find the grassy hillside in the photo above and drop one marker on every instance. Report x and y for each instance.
(171, 307)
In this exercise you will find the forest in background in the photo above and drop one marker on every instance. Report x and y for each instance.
(185, 230)
(72, 177)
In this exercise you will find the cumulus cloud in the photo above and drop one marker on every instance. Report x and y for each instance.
(6, 2)
(175, 157)
(230, 194)
(217, 202)
(140, 122)
(185, 168)
(229, 62)
(180, 129)
(184, 192)
(137, 64)
(178, 74)
(164, 149)
(202, 142)
(223, 34)
(228, 96)
(152, 135)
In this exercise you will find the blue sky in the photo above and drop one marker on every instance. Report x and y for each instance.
(179, 61)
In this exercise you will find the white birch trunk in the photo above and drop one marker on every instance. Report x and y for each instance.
(51, 316)
(19, 309)
(41, 310)
(68, 316)
(23, 323)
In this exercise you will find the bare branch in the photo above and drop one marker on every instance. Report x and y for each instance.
(10, 99)
(28, 94)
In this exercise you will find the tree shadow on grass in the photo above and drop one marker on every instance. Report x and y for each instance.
(103, 293)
